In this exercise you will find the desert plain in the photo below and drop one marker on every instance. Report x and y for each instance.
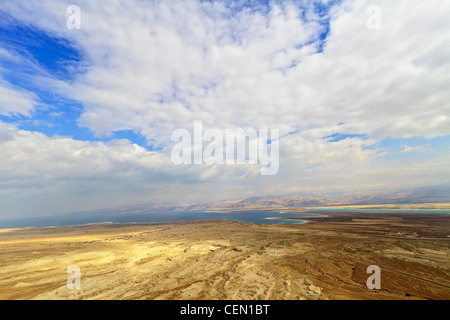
(325, 258)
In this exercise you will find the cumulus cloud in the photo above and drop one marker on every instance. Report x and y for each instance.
(49, 175)
(153, 67)
(270, 73)
(156, 66)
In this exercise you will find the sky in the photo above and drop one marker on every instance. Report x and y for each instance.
(359, 91)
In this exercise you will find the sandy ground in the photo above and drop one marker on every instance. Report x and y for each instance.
(326, 258)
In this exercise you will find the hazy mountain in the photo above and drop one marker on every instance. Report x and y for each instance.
(428, 194)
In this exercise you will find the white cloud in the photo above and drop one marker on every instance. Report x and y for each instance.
(157, 66)
(16, 101)
(43, 175)
(407, 148)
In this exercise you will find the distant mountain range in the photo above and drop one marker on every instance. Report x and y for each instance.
(419, 195)
(430, 194)
(433, 197)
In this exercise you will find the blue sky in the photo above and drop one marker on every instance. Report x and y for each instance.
(43, 54)
(86, 115)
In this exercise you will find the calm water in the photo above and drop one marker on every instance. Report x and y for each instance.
(256, 217)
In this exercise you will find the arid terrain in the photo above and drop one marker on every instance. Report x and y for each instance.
(325, 258)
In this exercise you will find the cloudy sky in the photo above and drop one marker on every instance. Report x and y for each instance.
(359, 91)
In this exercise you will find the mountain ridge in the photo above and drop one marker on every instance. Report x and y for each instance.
(422, 195)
